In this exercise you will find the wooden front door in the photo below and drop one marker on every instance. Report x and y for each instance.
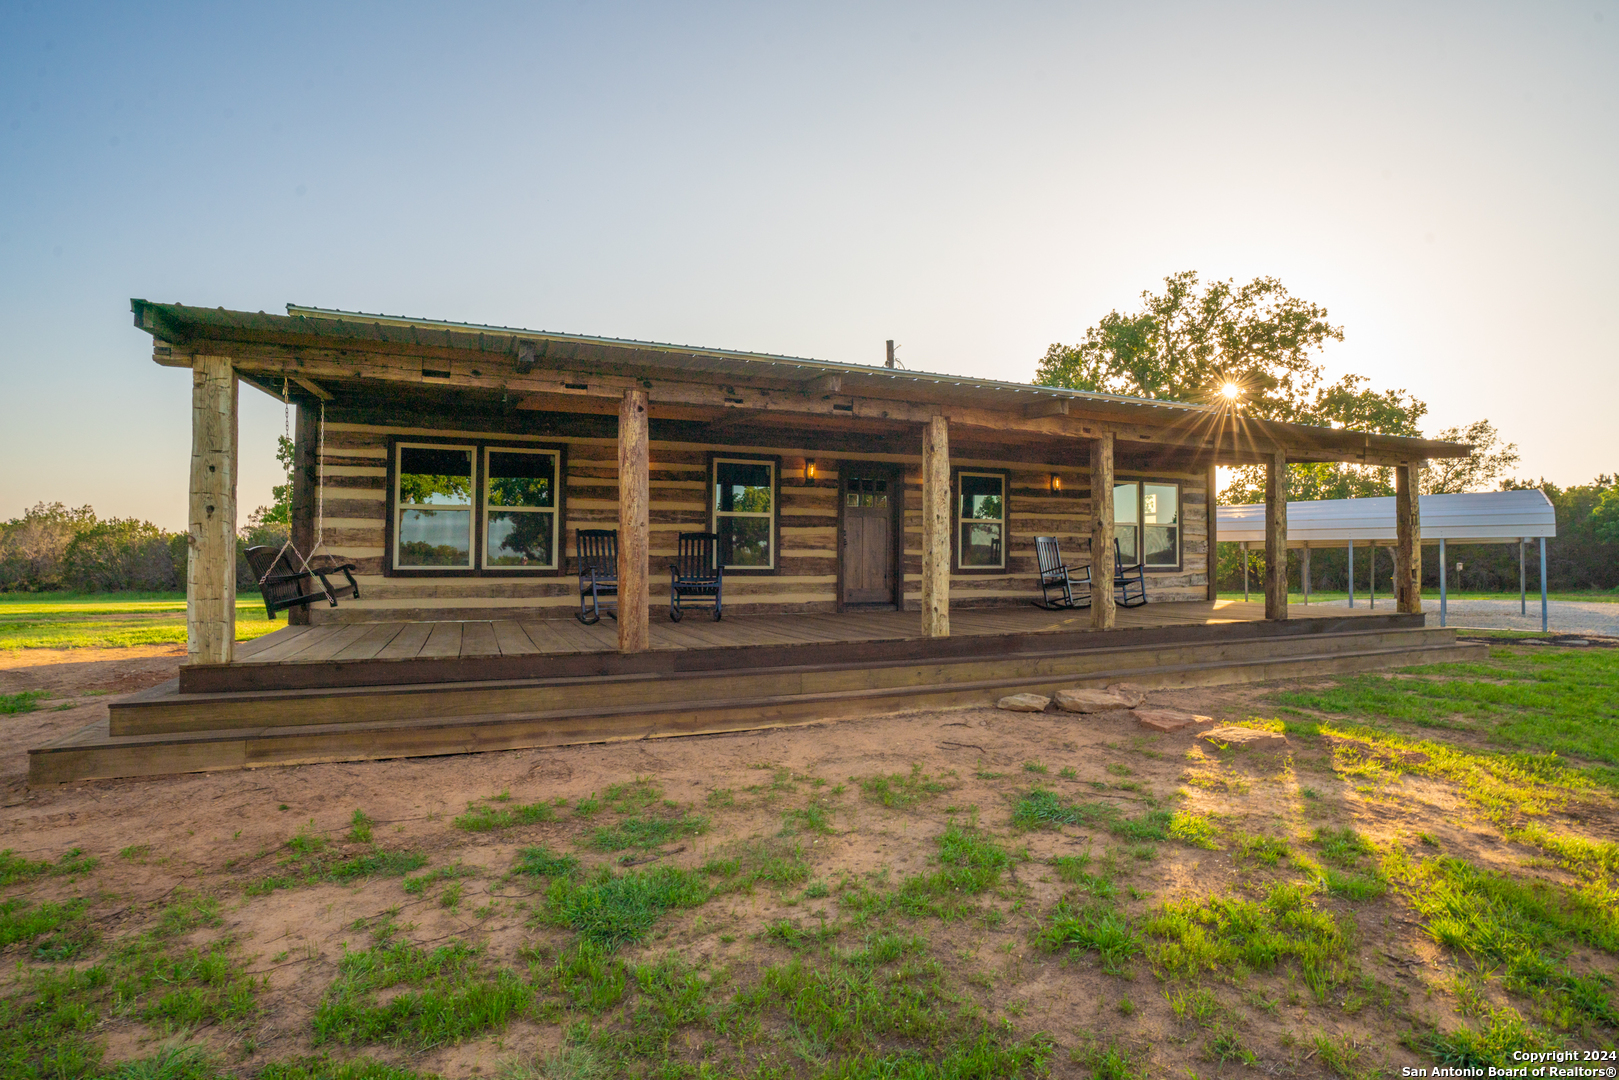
(869, 499)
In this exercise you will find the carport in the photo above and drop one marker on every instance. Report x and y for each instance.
(1484, 517)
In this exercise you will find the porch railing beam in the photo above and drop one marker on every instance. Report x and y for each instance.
(211, 517)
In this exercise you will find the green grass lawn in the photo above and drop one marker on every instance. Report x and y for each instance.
(110, 620)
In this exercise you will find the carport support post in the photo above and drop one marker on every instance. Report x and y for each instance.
(1351, 573)
(1523, 591)
(1102, 600)
(1304, 572)
(936, 528)
(634, 631)
(1444, 593)
(1276, 537)
(1371, 572)
(211, 521)
(1543, 626)
(1245, 571)
(1407, 540)
(1214, 531)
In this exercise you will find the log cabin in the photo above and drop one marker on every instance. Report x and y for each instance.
(875, 527)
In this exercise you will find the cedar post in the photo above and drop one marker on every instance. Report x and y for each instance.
(305, 476)
(1212, 501)
(1407, 539)
(1102, 602)
(634, 632)
(936, 528)
(211, 519)
(1276, 537)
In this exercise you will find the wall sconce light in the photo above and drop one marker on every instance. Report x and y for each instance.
(809, 470)
(1056, 483)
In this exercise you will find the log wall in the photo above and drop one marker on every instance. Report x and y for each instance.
(354, 490)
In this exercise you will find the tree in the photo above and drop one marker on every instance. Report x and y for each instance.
(32, 546)
(1187, 344)
(279, 512)
(1489, 463)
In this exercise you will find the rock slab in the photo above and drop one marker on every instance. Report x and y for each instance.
(1242, 736)
(1132, 694)
(1091, 701)
(1024, 703)
(1169, 719)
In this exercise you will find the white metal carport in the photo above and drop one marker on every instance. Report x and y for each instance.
(1484, 517)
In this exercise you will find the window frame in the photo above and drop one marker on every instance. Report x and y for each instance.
(479, 445)
(715, 459)
(558, 533)
(1141, 516)
(1005, 477)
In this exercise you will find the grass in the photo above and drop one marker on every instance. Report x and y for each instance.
(609, 910)
(15, 868)
(110, 620)
(493, 814)
(443, 996)
(308, 858)
(901, 791)
(1042, 808)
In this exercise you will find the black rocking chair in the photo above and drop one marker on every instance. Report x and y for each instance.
(1060, 579)
(598, 572)
(285, 586)
(695, 576)
(1129, 582)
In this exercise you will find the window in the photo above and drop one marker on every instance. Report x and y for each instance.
(1146, 520)
(520, 509)
(980, 521)
(433, 506)
(745, 513)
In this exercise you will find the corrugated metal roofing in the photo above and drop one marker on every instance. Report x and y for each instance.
(1482, 517)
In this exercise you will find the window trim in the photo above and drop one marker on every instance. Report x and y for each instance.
(715, 458)
(479, 445)
(555, 510)
(1141, 514)
(396, 505)
(1005, 477)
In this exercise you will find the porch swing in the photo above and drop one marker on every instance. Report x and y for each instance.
(284, 585)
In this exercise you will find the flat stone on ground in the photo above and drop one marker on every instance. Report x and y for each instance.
(1091, 701)
(1024, 703)
(1242, 736)
(1169, 719)
(1132, 694)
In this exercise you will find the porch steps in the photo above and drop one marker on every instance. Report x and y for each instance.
(162, 731)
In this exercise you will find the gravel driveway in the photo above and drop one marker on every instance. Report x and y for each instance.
(1563, 616)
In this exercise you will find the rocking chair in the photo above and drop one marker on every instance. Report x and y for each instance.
(598, 572)
(1129, 582)
(285, 586)
(695, 576)
(1057, 578)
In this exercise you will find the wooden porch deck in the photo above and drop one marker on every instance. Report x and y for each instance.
(557, 637)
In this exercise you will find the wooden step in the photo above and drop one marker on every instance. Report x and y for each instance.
(164, 709)
(96, 753)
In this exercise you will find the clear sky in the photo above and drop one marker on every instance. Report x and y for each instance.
(976, 182)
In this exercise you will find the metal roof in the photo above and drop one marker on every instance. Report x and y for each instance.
(1481, 517)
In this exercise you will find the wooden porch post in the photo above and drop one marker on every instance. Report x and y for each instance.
(1407, 539)
(211, 545)
(1276, 537)
(936, 528)
(1212, 500)
(634, 632)
(305, 475)
(1102, 603)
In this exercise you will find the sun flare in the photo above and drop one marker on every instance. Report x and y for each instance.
(1231, 390)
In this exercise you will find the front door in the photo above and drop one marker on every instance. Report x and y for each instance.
(869, 498)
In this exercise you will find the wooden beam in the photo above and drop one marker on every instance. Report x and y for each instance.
(305, 477)
(936, 526)
(211, 528)
(1276, 537)
(1103, 606)
(1046, 407)
(634, 633)
(824, 386)
(1212, 500)
(310, 385)
(1408, 539)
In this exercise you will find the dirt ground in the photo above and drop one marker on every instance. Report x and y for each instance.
(212, 833)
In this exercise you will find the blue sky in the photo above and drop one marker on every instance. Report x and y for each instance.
(975, 182)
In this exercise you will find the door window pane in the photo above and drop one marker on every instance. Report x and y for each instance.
(980, 544)
(745, 513)
(434, 505)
